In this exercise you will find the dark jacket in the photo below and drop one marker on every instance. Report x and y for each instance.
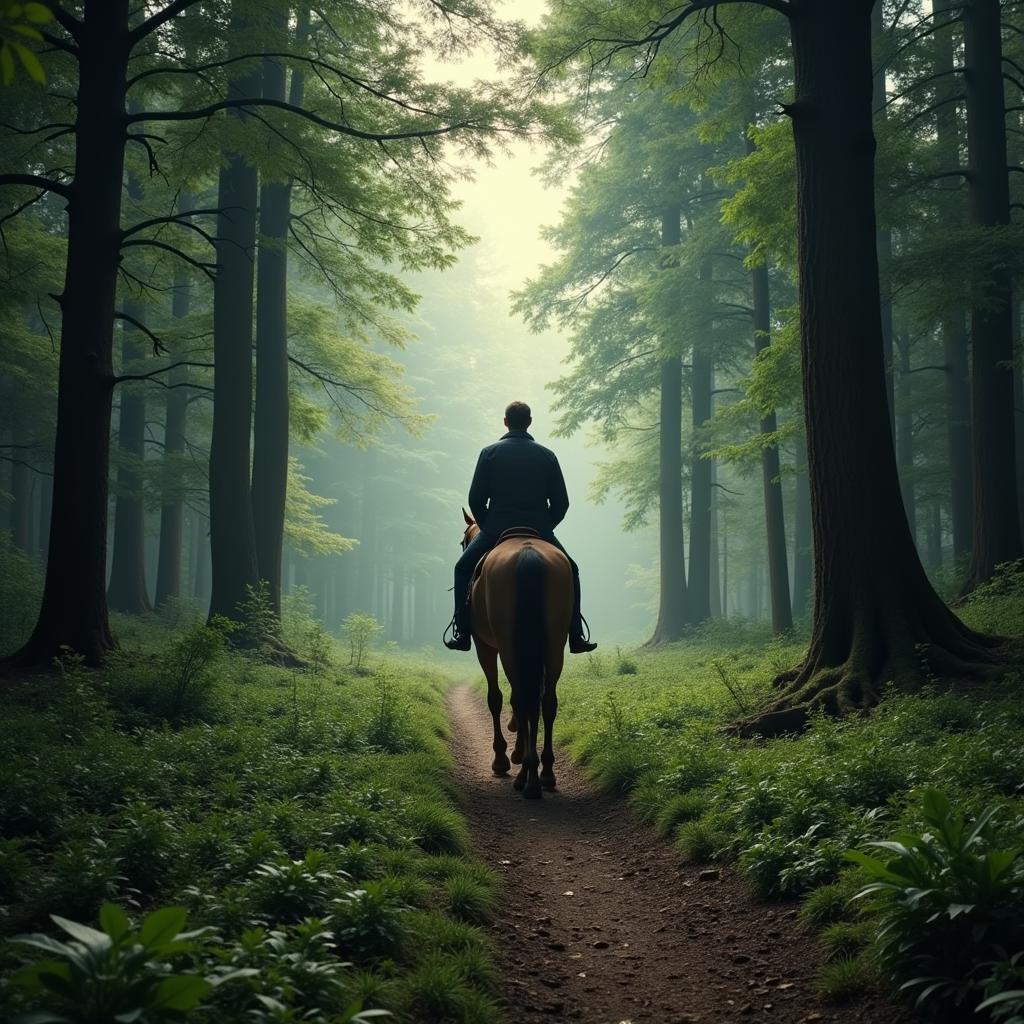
(517, 483)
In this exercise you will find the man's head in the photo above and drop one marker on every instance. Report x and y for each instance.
(517, 416)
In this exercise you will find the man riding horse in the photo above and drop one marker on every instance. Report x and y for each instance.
(517, 483)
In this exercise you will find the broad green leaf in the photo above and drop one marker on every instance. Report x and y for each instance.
(6, 64)
(1002, 997)
(39, 13)
(114, 920)
(162, 926)
(28, 31)
(31, 62)
(180, 992)
(91, 938)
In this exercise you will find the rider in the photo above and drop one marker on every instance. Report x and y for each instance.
(517, 483)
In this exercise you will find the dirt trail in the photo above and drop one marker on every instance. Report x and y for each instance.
(600, 923)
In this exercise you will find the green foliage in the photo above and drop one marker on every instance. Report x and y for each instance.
(945, 898)
(360, 631)
(118, 974)
(305, 850)
(21, 587)
(20, 23)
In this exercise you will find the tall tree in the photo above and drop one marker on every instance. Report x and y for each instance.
(874, 607)
(997, 537)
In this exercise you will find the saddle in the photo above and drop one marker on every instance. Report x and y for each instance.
(509, 534)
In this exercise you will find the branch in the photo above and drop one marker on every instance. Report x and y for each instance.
(65, 19)
(150, 25)
(37, 181)
(206, 268)
(158, 345)
(262, 101)
(164, 369)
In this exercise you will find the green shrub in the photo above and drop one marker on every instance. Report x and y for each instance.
(845, 939)
(845, 979)
(360, 631)
(469, 899)
(368, 922)
(680, 808)
(436, 829)
(946, 900)
(829, 902)
(700, 840)
(118, 974)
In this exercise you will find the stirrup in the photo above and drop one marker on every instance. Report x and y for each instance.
(457, 642)
(582, 644)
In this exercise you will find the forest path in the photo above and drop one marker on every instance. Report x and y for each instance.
(600, 923)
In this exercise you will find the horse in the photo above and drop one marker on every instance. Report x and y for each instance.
(521, 605)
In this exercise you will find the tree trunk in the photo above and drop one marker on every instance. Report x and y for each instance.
(672, 560)
(127, 589)
(876, 616)
(716, 582)
(905, 436)
(771, 472)
(73, 613)
(270, 425)
(883, 237)
(935, 537)
(803, 542)
(954, 323)
(997, 535)
(232, 534)
(172, 507)
(702, 378)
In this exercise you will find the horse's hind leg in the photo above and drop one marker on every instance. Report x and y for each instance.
(532, 789)
(549, 706)
(488, 658)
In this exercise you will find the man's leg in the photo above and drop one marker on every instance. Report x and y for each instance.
(477, 548)
(578, 643)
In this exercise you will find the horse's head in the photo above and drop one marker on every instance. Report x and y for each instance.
(471, 529)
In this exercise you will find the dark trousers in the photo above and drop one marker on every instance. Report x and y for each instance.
(477, 548)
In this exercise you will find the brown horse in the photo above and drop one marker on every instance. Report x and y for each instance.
(521, 606)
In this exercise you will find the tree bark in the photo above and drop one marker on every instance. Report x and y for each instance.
(270, 425)
(702, 377)
(954, 322)
(876, 616)
(73, 612)
(883, 236)
(997, 535)
(127, 589)
(172, 507)
(905, 436)
(803, 541)
(672, 603)
(232, 533)
(771, 472)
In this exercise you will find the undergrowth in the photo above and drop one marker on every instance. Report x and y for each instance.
(785, 812)
(302, 821)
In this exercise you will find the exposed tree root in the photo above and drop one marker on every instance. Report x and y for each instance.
(857, 683)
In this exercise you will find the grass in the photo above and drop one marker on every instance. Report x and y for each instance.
(308, 817)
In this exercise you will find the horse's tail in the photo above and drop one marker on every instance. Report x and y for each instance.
(529, 635)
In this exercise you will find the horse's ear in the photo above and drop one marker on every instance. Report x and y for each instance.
(467, 517)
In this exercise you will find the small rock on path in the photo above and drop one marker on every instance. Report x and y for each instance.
(600, 923)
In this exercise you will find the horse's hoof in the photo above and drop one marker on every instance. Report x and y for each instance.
(501, 765)
(548, 782)
(517, 757)
(513, 725)
(518, 783)
(533, 791)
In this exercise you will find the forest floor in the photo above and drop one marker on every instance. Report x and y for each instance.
(599, 921)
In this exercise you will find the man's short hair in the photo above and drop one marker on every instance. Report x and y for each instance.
(517, 415)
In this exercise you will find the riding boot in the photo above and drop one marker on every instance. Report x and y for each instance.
(462, 630)
(579, 641)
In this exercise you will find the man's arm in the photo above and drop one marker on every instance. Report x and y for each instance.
(479, 491)
(558, 496)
